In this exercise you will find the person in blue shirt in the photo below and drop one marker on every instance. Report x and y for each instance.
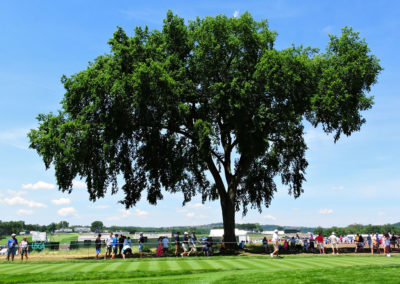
(115, 246)
(12, 246)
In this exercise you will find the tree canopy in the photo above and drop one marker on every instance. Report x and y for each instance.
(167, 108)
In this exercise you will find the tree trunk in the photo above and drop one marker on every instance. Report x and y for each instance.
(228, 217)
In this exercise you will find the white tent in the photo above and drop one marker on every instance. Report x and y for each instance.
(218, 233)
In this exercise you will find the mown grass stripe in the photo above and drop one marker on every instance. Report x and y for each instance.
(70, 267)
(251, 263)
(202, 264)
(246, 263)
(231, 264)
(93, 267)
(217, 264)
(143, 265)
(270, 264)
(160, 265)
(36, 267)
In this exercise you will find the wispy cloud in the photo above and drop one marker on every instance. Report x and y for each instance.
(139, 212)
(337, 187)
(236, 14)
(325, 211)
(16, 192)
(15, 138)
(25, 212)
(196, 205)
(269, 217)
(39, 185)
(61, 201)
(99, 206)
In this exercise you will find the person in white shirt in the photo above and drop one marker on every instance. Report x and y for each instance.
(334, 243)
(23, 246)
(275, 243)
(108, 242)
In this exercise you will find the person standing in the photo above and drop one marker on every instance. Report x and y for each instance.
(121, 243)
(185, 244)
(108, 241)
(305, 244)
(334, 243)
(12, 245)
(320, 243)
(275, 243)
(386, 244)
(177, 243)
(115, 246)
(265, 244)
(369, 241)
(141, 241)
(165, 244)
(24, 249)
(97, 243)
(193, 242)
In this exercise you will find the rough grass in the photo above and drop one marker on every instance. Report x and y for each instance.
(61, 238)
(237, 269)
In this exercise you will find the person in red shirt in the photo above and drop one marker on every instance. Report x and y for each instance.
(320, 243)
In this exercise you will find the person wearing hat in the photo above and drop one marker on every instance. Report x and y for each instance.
(334, 243)
(275, 243)
(141, 241)
(185, 244)
(12, 245)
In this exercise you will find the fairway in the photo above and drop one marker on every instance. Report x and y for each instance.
(252, 269)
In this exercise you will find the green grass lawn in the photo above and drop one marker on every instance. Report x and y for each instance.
(222, 269)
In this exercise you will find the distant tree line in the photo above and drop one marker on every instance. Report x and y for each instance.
(7, 228)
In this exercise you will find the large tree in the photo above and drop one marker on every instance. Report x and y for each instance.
(167, 109)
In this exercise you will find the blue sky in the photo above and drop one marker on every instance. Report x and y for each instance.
(355, 180)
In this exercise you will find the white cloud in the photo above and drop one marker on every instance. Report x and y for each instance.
(78, 184)
(18, 200)
(38, 185)
(139, 212)
(325, 211)
(337, 187)
(269, 217)
(381, 213)
(196, 205)
(61, 201)
(236, 14)
(190, 215)
(25, 212)
(99, 206)
(67, 211)
(125, 213)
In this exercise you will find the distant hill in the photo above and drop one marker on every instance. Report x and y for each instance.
(397, 224)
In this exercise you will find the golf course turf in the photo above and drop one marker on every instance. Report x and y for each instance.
(220, 269)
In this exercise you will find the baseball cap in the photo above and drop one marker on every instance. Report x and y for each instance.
(186, 233)
(13, 235)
